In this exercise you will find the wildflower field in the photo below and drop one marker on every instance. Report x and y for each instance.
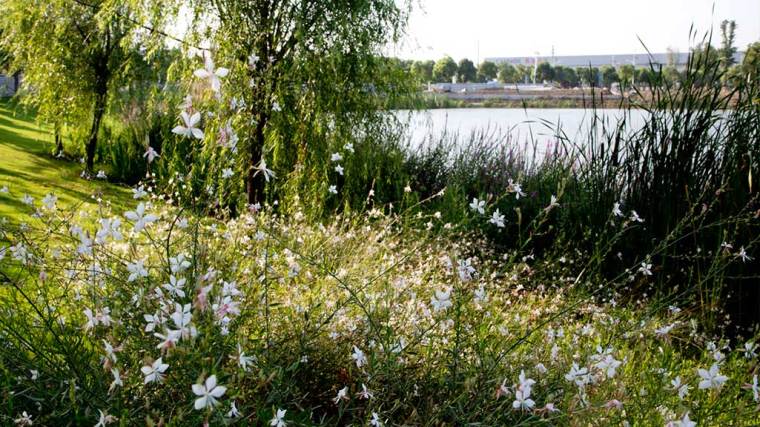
(234, 231)
(159, 317)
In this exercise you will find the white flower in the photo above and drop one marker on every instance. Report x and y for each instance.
(150, 154)
(208, 393)
(608, 365)
(152, 320)
(635, 217)
(136, 270)
(155, 371)
(178, 264)
(522, 393)
(553, 203)
(616, 209)
(681, 388)
(349, 147)
(339, 169)
(711, 378)
(332, 189)
(190, 126)
(336, 157)
(342, 395)
(20, 253)
(23, 420)
(359, 357)
(105, 419)
(49, 201)
(108, 228)
(139, 192)
(139, 218)
(497, 219)
(365, 393)
(743, 255)
(4, 189)
(646, 268)
(175, 285)
(227, 173)
(211, 74)
(27, 200)
(465, 270)
(441, 300)
(279, 419)
(749, 349)
(478, 206)
(579, 376)
(683, 422)
(116, 380)
(101, 174)
(375, 421)
(665, 330)
(244, 360)
(169, 339)
(35, 374)
(228, 138)
(515, 187)
(233, 412)
(262, 167)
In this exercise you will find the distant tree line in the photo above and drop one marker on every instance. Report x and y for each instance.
(627, 75)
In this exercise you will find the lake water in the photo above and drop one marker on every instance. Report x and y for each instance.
(514, 124)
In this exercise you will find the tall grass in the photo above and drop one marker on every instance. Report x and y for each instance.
(687, 169)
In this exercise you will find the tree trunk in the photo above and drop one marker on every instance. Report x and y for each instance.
(58, 140)
(92, 143)
(256, 180)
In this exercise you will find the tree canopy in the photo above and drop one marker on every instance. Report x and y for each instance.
(466, 71)
(294, 66)
(445, 69)
(487, 71)
(71, 53)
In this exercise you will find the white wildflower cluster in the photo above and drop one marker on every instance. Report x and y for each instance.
(207, 311)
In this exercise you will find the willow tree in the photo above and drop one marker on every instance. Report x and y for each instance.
(300, 67)
(70, 52)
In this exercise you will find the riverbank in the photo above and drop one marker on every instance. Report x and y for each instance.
(429, 100)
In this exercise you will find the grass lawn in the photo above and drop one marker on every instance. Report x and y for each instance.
(27, 167)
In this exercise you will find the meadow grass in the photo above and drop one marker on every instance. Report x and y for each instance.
(27, 166)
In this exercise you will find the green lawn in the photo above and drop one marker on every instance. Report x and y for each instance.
(27, 167)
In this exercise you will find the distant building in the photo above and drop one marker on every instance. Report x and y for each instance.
(9, 84)
(679, 60)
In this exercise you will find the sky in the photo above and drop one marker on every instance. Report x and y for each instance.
(492, 28)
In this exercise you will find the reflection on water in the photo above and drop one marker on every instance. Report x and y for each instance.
(516, 125)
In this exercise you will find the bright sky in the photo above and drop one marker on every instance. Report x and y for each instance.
(573, 27)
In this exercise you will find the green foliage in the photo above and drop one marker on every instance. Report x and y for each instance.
(566, 76)
(423, 70)
(487, 71)
(609, 75)
(28, 168)
(508, 73)
(72, 54)
(544, 72)
(750, 67)
(466, 71)
(444, 70)
(727, 47)
(297, 66)
(627, 75)
(589, 76)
